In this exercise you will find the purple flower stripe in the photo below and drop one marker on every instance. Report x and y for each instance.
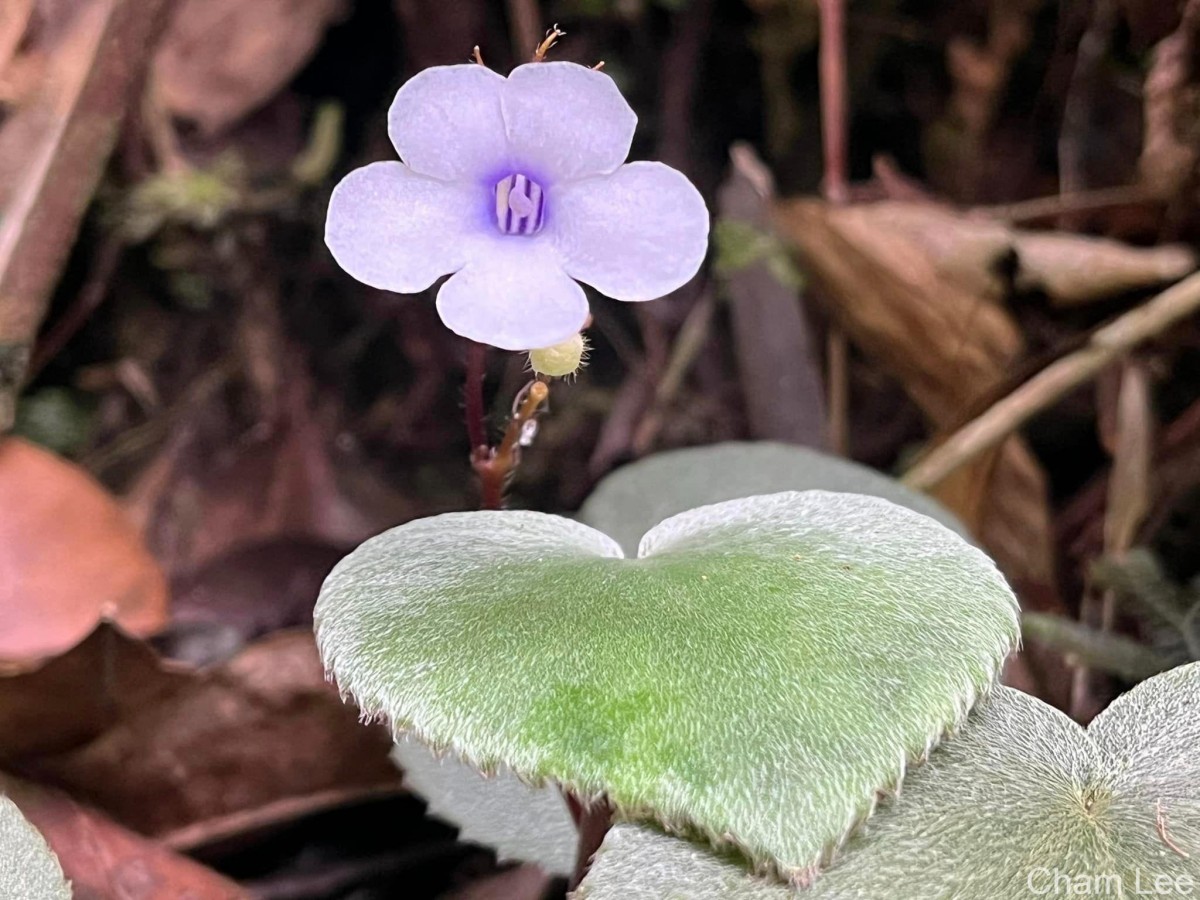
(520, 205)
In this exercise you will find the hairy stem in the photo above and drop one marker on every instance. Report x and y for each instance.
(476, 427)
(593, 823)
(495, 465)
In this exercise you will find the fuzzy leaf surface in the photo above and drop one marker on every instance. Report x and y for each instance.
(635, 498)
(1021, 795)
(531, 823)
(519, 821)
(760, 670)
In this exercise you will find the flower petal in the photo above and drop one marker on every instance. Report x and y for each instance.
(396, 230)
(637, 234)
(513, 295)
(446, 122)
(566, 121)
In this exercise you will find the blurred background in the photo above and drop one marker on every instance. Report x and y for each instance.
(953, 240)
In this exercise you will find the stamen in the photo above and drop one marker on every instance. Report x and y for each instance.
(552, 36)
(520, 205)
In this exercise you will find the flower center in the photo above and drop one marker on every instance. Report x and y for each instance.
(520, 205)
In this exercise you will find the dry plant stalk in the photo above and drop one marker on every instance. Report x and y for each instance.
(1106, 346)
(1130, 489)
(52, 152)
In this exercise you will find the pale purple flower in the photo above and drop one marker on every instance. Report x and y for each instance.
(516, 185)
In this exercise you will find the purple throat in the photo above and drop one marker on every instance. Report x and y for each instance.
(520, 205)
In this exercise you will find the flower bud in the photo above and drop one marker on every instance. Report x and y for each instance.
(561, 359)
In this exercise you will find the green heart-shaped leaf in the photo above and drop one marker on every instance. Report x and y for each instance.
(28, 869)
(635, 498)
(1023, 803)
(530, 823)
(759, 671)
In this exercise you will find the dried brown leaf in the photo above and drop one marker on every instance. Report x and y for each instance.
(987, 258)
(1072, 269)
(202, 498)
(102, 860)
(946, 344)
(68, 558)
(161, 746)
(1170, 151)
(222, 59)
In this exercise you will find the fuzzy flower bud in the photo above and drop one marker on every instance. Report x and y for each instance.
(561, 359)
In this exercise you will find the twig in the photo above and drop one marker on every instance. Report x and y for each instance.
(160, 131)
(680, 68)
(836, 188)
(1129, 498)
(834, 131)
(688, 345)
(1109, 652)
(73, 128)
(1068, 203)
(1077, 109)
(524, 26)
(1105, 346)
(104, 265)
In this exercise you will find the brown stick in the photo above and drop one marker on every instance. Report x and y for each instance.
(834, 131)
(1105, 346)
(836, 187)
(1066, 204)
(104, 265)
(524, 27)
(1081, 94)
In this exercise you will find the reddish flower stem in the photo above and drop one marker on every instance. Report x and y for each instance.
(495, 465)
(593, 823)
(476, 427)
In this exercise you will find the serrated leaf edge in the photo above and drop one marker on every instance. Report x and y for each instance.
(760, 863)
